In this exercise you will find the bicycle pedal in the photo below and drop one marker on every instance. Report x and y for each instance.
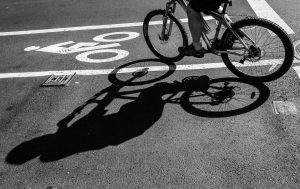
(242, 61)
(199, 55)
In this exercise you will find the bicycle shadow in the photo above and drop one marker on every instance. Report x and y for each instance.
(97, 130)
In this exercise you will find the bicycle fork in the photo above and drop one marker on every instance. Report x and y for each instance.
(170, 8)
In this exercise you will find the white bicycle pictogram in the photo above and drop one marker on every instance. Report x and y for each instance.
(88, 49)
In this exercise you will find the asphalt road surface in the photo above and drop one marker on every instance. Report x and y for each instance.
(107, 129)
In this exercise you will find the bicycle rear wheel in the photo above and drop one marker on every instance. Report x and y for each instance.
(164, 47)
(271, 50)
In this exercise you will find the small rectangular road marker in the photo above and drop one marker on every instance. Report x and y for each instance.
(58, 80)
(285, 107)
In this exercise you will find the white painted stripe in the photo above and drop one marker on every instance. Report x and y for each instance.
(82, 28)
(27, 2)
(79, 28)
(130, 70)
(260, 7)
(297, 69)
(263, 10)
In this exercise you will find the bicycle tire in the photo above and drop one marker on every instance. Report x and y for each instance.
(174, 58)
(272, 27)
(192, 103)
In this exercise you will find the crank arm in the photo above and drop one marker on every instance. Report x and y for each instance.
(228, 52)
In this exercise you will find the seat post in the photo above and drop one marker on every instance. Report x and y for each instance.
(224, 7)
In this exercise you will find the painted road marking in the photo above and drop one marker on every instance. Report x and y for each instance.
(119, 54)
(83, 28)
(91, 47)
(79, 47)
(60, 48)
(128, 70)
(260, 7)
(263, 10)
(297, 69)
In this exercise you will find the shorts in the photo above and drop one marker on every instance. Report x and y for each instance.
(204, 6)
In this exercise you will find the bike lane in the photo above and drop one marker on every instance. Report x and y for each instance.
(103, 50)
(173, 141)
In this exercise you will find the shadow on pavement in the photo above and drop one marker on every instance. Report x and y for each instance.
(97, 130)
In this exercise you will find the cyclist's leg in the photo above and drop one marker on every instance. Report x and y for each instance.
(196, 26)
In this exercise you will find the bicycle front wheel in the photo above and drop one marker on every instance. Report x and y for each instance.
(164, 39)
(270, 53)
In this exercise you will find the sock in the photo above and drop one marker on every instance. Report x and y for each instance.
(197, 45)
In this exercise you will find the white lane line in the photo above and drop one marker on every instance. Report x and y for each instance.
(79, 28)
(82, 28)
(263, 10)
(129, 70)
(260, 7)
(27, 2)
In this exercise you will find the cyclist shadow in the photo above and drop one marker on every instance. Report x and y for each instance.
(97, 130)
(94, 131)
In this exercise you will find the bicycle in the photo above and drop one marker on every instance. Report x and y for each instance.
(239, 46)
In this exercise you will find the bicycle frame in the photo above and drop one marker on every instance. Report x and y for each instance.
(222, 18)
(216, 97)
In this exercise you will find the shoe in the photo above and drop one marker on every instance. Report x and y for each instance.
(191, 51)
